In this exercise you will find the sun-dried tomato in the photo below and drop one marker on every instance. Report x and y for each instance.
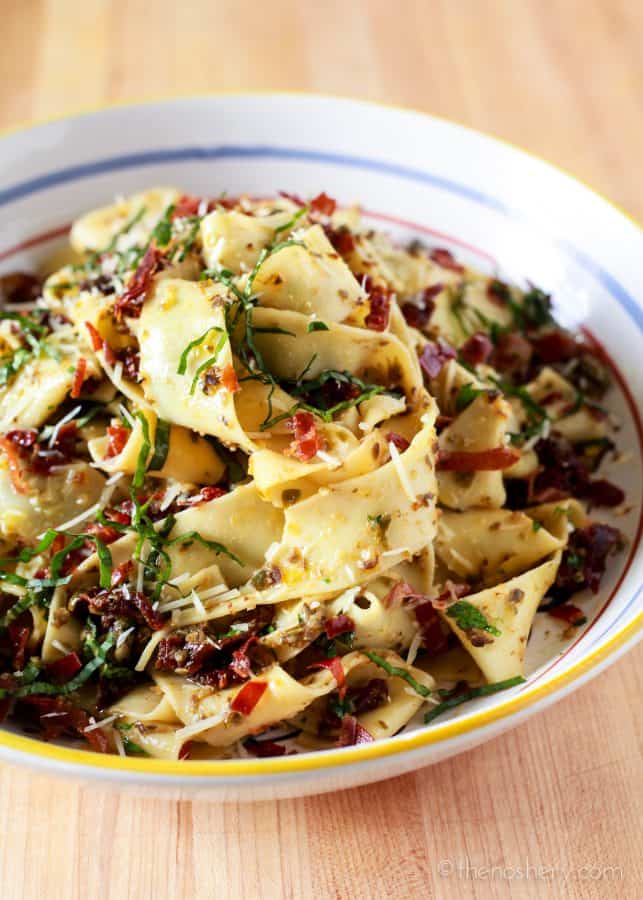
(58, 716)
(65, 667)
(130, 302)
(248, 697)
(569, 613)
(80, 373)
(122, 603)
(229, 379)
(477, 460)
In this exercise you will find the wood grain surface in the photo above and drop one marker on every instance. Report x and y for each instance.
(558, 798)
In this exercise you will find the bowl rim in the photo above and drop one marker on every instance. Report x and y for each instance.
(583, 669)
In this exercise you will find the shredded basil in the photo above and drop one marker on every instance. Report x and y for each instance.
(161, 445)
(316, 326)
(191, 536)
(396, 671)
(44, 687)
(466, 395)
(483, 691)
(468, 617)
(292, 222)
(183, 362)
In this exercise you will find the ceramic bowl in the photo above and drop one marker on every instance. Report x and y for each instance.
(495, 206)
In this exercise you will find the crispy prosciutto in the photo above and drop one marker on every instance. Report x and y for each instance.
(417, 314)
(323, 205)
(435, 356)
(80, 375)
(117, 437)
(476, 349)
(445, 258)
(380, 305)
(307, 440)
(335, 667)
(337, 625)
(352, 733)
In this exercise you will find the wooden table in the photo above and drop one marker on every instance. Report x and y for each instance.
(563, 78)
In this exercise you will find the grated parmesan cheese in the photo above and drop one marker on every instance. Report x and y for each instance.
(70, 415)
(401, 472)
(123, 637)
(102, 724)
(331, 461)
(414, 646)
(118, 740)
(198, 605)
(149, 649)
(202, 725)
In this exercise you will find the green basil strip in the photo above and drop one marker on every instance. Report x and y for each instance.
(143, 453)
(396, 671)
(161, 445)
(104, 559)
(77, 681)
(483, 691)
(183, 362)
(218, 548)
(17, 609)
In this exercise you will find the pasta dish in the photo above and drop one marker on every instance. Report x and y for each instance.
(270, 482)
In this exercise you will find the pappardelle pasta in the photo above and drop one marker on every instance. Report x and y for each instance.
(271, 482)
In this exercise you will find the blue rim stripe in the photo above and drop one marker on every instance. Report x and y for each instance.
(206, 154)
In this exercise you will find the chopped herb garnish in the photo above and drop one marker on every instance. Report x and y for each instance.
(316, 326)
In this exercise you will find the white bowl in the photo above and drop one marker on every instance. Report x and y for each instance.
(416, 176)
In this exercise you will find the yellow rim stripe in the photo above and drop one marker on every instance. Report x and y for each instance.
(324, 759)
